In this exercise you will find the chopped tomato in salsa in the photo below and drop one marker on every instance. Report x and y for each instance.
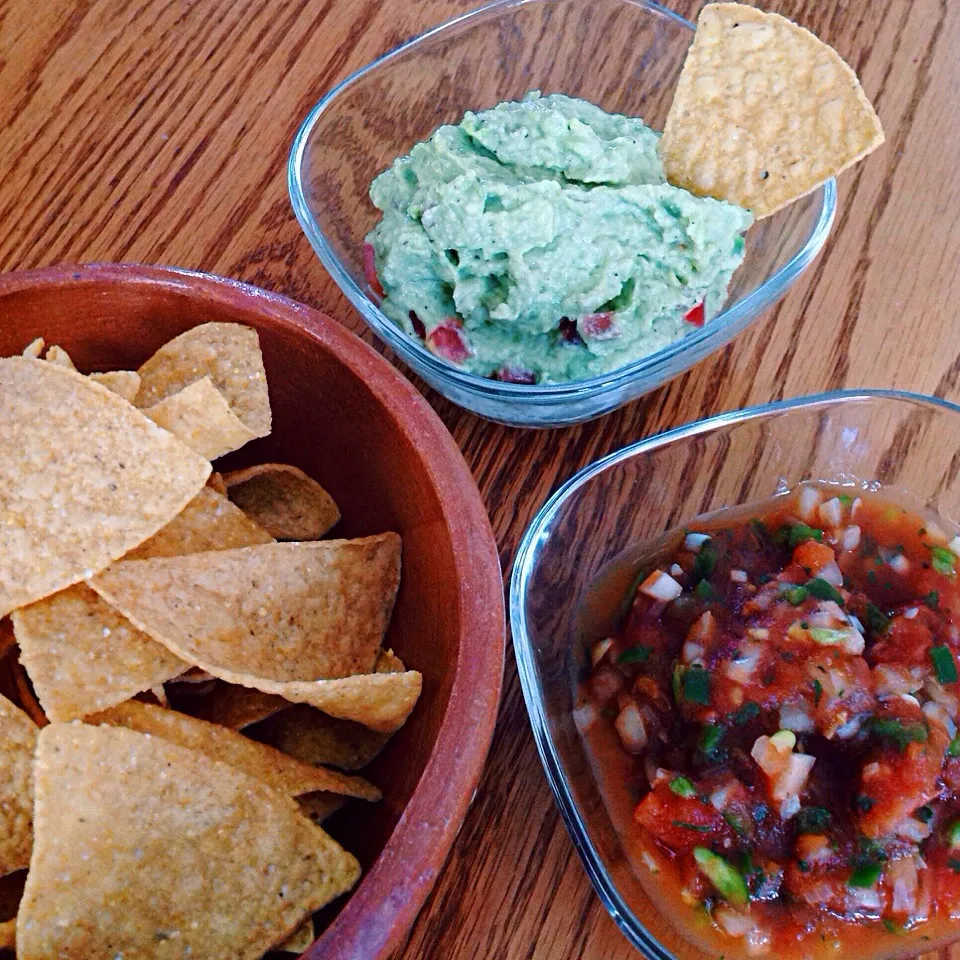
(783, 691)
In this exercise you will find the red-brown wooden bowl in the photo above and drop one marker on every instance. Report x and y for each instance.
(346, 417)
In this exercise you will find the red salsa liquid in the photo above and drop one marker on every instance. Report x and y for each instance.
(772, 715)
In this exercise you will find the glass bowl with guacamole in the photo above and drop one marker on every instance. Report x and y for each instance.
(489, 196)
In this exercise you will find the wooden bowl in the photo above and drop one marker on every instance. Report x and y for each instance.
(349, 419)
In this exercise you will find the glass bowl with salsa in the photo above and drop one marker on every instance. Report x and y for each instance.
(634, 51)
(739, 645)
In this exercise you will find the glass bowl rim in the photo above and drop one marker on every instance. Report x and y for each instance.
(522, 570)
(417, 355)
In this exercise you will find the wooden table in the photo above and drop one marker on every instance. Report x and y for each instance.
(158, 131)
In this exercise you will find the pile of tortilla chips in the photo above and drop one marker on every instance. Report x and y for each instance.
(200, 675)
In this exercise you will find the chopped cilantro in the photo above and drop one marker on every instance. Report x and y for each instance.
(800, 533)
(704, 591)
(924, 814)
(682, 787)
(793, 593)
(746, 713)
(863, 802)
(636, 654)
(877, 620)
(944, 664)
(696, 686)
(943, 561)
(710, 737)
(900, 733)
(932, 599)
(819, 588)
(813, 820)
(705, 562)
(817, 692)
(697, 827)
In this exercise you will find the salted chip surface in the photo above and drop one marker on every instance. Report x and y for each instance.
(229, 354)
(18, 737)
(314, 737)
(84, 478)
(147, 849)
(271, 766)
(201, 417)
(8, 934)
(124, 383)
(83, 655)
(60, 357)
(764, 112)
(34, 349)
(280, 611)
(283, 500)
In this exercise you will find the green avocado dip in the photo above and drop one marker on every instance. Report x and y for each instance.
(538, 242)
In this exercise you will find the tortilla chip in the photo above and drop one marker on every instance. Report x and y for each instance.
(232, 706)
(283, 500)
(124, 383)
(131, 833)
(319, 806)
(85, 478)
(764, 112)
(208, 522)
(281, 611)
(18, 738)
(216, 482)
(380, 701)
(60, 357)
(298, 941)
(313, 737)
(388, 662)
(83, 656)
(200, 416)
(8, 934)
(268, 765)
(34, 349)
(227, 353)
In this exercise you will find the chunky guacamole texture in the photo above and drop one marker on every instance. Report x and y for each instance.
(539, 242)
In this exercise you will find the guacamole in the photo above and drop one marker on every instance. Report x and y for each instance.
(538, 242)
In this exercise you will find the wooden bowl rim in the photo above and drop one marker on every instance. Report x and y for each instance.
(384, 905)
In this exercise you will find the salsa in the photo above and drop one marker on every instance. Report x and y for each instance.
(775, 708)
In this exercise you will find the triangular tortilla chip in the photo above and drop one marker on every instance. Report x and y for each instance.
(84, 478)
(18, 737)
(34, 349)
(380, 701)
(147, 849)
(298, 941)
(283, 500)
(281, 611)
(8, 934)
(764, 112)
(216, 482)
(272, 767)
(124, 383)
(232, 706)
(83, 655)
(314, 737)
(227, 353)
(201, 417)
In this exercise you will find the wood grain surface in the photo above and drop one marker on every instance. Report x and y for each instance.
(158, 131)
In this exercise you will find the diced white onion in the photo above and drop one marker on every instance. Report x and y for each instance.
(911, 613)
(910, 699)
(848, 729)
(933, 532)
(795, 717)
(890, 679)
(758, 633)
(694, 541)
(675, 570)
(899, 563)
(734, 923)
(738, 576)
(585, 716)
(792, 780)
(871, 770)
(652, 864)
(758, 942)
(903, 872)
(863, 898)
(954, 546)
(855, 507)
(661, 586)
(937, 713)
(831, 512)
(721, 796)
(704, 629)
(741, 669)
(790, 807)
(912, 829)
(856, 622)
(631, 729)
(599, 649)
(692, 652)
(831, 573)
(850, 537)
(807, 502)
(827, 614)
(772, 754)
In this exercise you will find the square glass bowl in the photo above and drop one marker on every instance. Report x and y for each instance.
(625, 56)
(904, 444)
